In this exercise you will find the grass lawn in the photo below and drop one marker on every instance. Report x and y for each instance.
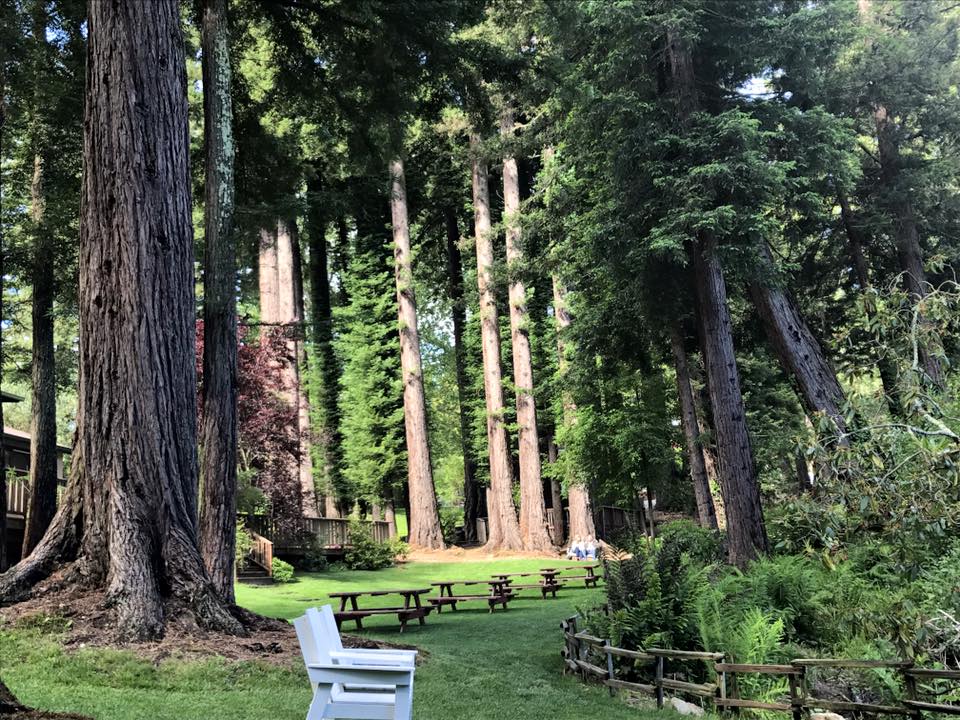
(478, 665)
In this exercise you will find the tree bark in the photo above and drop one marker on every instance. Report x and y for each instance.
(504, 529)
(706, 513)
(746, 533)
(533, 516)
(799, 351)
(130, 507)
(291, 308)
(218, 434)
(556, 493)
(3, 450)
(471, 491)
(42, 503)
(326, 403)
(579, 503)
(268, 277)
(424, 519)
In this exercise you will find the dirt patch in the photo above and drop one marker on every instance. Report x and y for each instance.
(81, 620)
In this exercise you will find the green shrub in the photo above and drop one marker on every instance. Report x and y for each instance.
(243, 547)
(282, 571)
(315, 558)
(365, 553)
(450, 517)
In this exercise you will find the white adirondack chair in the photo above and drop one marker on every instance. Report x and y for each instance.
(364, 684)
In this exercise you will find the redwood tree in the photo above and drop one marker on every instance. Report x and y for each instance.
(128, 518)
(502, 516)
(218, 438)
(424, 519)
(533, 517)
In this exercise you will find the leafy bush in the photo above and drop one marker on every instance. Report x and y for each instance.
(365, 553)
(315, 558)
(450, 517)
(282, 571)
(244, 545)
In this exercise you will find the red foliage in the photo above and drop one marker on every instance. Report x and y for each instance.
(268, 443)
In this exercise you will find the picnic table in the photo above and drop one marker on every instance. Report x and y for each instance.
(407, 612)
(547, 584)
(590, 578)
(500, 593)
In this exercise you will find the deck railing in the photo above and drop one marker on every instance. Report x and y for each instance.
(301, 533)
(17, 491)
(261, 552)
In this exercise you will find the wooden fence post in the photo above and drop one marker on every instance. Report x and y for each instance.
(658, 683)
(610, 674)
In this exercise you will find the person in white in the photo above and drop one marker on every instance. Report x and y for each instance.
(576, 549)
(589, 549)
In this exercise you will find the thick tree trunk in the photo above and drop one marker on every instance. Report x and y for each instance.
(131, 501)
(218, 435)
(42, 504)
(424, 520)
(326, 402)
(504, 529)
(3, 450)
(556, 493)
(886, 368)
(533, 517)
(471, 490)
(291, 314)
(746, 533)
(706, 513)
(799, 351)
(580, 506)
(269, 281)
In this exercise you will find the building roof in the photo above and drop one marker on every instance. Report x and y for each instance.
(14, 434)
(9, 397)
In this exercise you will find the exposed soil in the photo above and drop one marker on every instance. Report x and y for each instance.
(476, 554)
(85, 621)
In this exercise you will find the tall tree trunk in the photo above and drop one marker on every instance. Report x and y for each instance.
(504, 530)
(290, 317)
(906, 229)
(580, 505)
(425, 521)
(471, 491)
(556, 492)
(3, 450)
(533, 516)
(886, 368)
(268, 278)
(746, 533)
(326, 400)
(218, 434)
(130, 506)
(799, 351)
(706, 513)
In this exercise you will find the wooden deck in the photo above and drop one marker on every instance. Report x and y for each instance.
(331, 534)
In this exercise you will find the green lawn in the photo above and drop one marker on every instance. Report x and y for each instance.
(478, 665)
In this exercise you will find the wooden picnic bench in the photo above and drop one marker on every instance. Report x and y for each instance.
(590, 578)
(546, 585)
(500, 593)
(416, 611)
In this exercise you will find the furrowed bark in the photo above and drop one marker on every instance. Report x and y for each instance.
(556, 493)
(327, 436)
(799, 352)
(135, 481)
(533, 516)
(424, 519)
(42, 504)
(218, 434)
(580, 506)
(706, 513)
(471, 491)
(504, 529)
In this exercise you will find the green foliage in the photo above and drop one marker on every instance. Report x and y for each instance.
(244, 544)
(450, 518)
(282, 571)
(365, 553)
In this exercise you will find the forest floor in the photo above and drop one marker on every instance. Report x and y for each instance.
(475, 665)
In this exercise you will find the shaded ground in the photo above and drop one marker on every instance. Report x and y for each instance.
(11, 709)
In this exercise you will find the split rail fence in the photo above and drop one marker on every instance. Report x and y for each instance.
(593, 657)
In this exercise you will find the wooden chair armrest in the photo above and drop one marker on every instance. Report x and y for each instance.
(360, 674)
(374, 657)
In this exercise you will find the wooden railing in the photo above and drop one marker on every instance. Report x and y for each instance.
(593, 657)
(261, 552)
(328, 533)
(17, 491)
